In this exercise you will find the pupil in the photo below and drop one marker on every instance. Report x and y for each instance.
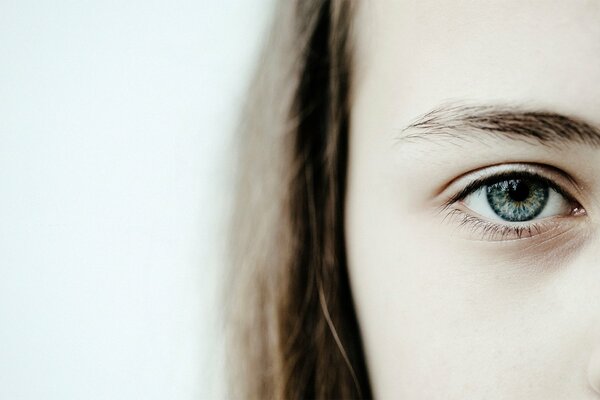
(518, 190)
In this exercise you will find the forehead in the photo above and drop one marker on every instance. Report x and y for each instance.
(411, 55)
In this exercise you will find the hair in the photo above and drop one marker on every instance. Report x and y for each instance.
(292, 328)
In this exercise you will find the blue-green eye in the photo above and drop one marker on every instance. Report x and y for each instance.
(517, 199)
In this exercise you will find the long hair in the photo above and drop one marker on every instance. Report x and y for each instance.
(292, 326)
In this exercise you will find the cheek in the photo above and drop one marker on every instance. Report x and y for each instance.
(404, 283)
(442, 319)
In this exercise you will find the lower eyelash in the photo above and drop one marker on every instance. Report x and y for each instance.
(492, 231)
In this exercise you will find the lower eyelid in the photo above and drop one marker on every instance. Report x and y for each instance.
(475, 227)
(480, 229)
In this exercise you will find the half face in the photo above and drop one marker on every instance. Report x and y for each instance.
(473, 195)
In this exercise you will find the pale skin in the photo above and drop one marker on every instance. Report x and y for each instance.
(448, 310)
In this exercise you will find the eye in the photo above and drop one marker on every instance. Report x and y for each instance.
(514, 201)
(518, 199)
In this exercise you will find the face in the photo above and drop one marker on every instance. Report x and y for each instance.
(473, 201)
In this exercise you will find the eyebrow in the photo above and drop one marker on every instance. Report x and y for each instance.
(466, 122)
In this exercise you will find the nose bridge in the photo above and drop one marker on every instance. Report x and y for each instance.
(590, 287)
(587, 284)
(593, 369)
(591, 268)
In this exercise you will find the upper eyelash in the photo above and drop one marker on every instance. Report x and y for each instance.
(506, 175)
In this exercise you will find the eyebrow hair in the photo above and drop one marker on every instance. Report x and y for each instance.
(451, 121)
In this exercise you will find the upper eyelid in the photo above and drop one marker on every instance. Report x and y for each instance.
(481, 182)
(556, 178)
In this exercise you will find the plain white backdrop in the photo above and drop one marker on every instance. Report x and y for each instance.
(116, 123)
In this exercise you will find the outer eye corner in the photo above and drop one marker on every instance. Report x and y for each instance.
(578, 211)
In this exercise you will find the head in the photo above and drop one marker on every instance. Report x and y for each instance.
(417, 203)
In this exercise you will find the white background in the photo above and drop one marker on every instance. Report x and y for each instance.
(115, 127)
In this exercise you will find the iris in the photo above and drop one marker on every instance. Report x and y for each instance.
(517, 199)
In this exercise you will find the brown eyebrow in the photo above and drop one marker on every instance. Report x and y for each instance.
(461, 121)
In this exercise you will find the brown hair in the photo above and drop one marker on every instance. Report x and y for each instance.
(293, 330)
